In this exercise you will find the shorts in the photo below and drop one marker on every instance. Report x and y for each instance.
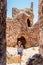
(19, 53)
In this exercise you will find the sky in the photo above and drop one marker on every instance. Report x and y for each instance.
(21, 4)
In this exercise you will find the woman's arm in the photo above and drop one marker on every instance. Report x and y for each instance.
(22, 47)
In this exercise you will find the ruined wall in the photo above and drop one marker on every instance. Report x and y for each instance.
(41, 36)
(41, 42)
(12, 31)
(16, 29)
(40, 19)
(3, 32)
(33, 35)
(17, 26)
(23, 13)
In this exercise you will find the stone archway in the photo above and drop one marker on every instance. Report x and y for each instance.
(23, 40)
(28, 23)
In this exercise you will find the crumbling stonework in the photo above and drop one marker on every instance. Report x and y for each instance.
(41, 27)
(2, 32)
(20, 27)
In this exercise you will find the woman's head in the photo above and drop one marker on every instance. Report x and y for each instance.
(19, 43)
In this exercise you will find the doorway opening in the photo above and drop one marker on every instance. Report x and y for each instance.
(28, 23)
(23, 41)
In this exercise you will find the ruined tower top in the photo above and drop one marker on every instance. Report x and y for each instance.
(32, 6)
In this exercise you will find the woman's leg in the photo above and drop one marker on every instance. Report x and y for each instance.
(18, 58)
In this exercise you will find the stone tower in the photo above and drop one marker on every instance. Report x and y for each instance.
(40, 12)
(3, 32)
(32, 6)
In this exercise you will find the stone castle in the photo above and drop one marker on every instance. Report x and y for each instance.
(20, 27)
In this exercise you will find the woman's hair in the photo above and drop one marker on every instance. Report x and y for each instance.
(19, 42)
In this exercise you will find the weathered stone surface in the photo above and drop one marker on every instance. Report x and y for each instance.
(2, 32)
(18, 27)
(41, 27)
(41, 42)
(37, 59)
(21, 25)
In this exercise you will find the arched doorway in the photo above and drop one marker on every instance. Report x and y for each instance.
(28, 23)
(23, 40)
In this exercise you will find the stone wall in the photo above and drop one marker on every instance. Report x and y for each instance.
(16, 29)
(17, 26)
(41, 27)
(3, 32)
(41, 42)
(33, 35)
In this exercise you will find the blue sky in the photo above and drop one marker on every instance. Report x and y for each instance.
(22, 4)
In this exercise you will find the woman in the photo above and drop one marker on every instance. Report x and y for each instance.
(20, 51)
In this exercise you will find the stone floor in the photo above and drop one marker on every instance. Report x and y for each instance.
(27, 53)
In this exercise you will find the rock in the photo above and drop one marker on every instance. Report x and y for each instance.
(36, 59)
(3, 10)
